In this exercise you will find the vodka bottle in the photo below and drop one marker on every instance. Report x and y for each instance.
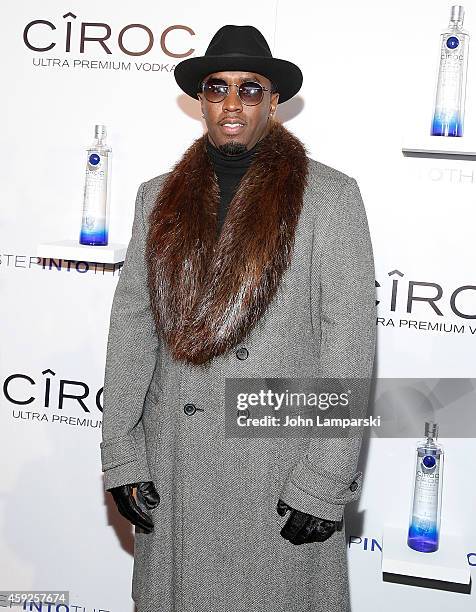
(448, 115)
(425, 515)
(95, 219)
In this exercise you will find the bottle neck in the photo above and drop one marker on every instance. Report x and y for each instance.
(455, 25)
(431, 442)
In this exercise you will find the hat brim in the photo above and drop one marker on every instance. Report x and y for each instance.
(286, 76)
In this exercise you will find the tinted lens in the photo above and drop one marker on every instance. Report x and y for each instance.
(251, 93)
(215, 90)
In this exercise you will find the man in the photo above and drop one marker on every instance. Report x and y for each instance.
(248, 260)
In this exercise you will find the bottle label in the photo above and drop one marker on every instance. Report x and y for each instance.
(425, 507)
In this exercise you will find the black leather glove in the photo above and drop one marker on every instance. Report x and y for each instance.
(303, 528)
(148, 498)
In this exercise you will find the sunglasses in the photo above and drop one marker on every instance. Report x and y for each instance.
(250, 92)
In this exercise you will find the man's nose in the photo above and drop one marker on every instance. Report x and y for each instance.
(232, 102)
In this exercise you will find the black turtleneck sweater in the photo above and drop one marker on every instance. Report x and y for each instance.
(229, 170)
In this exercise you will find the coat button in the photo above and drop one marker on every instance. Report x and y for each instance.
(245, 413)
(242, 353)
(189, 409)
(354, 485)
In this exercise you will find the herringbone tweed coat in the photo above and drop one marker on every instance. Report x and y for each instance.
(216, 546)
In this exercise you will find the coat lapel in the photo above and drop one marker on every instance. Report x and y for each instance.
(208, 292)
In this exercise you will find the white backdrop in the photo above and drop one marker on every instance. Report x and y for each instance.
(369, 78)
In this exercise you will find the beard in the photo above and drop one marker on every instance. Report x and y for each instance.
(232, 148)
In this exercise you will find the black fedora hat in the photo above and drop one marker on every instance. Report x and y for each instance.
(239, 48)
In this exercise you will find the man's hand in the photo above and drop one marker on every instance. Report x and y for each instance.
(146, 494)
(302, 528)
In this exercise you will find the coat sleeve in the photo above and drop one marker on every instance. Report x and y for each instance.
(130, 362)
(343, 307)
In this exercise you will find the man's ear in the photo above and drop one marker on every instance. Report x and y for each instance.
(274, 102)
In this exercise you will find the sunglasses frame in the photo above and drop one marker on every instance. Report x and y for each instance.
(263, 89)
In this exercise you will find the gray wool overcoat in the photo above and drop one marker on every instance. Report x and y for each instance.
(216, 546)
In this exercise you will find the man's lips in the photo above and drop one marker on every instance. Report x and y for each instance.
(231, 126)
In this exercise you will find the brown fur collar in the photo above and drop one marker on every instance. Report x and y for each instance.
(207, 294)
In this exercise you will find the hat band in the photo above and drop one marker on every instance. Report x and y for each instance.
(236, 54)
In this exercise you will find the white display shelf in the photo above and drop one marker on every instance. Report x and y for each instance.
(448, 564)
(71, 249)
(451, 147)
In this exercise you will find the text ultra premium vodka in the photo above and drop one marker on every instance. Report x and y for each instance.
(425, 515)
(95, 219)
(448, 115)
